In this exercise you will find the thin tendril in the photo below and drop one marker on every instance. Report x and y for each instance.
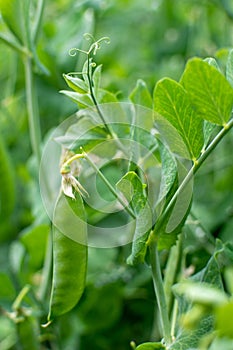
(74, 50)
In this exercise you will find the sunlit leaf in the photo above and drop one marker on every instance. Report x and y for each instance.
(141, 95)
(211, 94)
(184, 134)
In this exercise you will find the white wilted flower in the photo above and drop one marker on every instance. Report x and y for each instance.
(70, 183)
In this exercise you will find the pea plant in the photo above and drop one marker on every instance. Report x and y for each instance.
(118, 175)
(156, 144)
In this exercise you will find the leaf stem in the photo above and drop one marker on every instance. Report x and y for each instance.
(159, 292)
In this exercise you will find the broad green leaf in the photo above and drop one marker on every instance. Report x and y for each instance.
(172, 223)
(83, 133)
(141, 95)
(169, 171)
(210, 93)
(150, 346)
(69, 255)
(132, 188)
(185, 135)
(104, 96)
(76, 84)
(188, 340)
(35, 240)
(212, 62)
(208, 129)
(83, 100)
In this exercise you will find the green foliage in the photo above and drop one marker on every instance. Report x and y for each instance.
(210, 93)
(172, 102)
(152, 162)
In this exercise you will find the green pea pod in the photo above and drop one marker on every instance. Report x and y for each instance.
(69, 255)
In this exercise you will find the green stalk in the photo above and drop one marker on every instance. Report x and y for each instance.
(159, 292)
(32, 108)
(93, 97)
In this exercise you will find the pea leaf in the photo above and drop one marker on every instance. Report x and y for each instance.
(83, 100)
(141, 95)
(132, 188)
(76, 84)
(69, 255)
(169, 224)
(182, 126)
(169, 171)
(211, 94)
(35, 240)
(83, 133)
(211, 277)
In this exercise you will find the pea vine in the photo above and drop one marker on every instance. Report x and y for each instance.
(190, 118)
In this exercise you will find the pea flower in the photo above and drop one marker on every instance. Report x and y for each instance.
(69, 181)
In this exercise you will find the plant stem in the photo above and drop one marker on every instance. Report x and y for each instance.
(159, 292)
(32, 107)
(94, 99)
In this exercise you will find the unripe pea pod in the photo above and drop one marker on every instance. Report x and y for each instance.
(69, 255)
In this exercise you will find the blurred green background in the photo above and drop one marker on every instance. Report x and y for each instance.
(150, 39)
